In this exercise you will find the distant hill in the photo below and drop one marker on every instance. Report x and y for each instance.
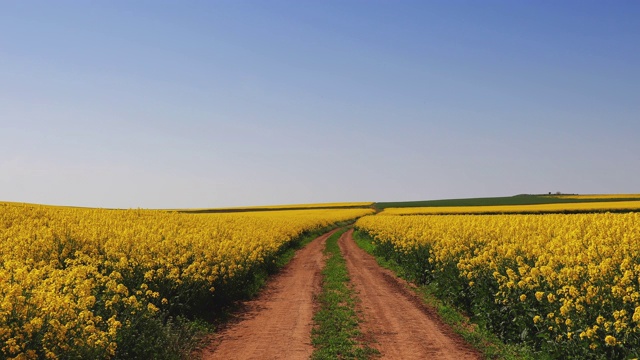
(523, 199)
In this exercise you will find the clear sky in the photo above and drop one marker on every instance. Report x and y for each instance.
(166, 104)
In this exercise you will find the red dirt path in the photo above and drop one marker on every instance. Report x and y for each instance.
(402, 326)
(277, 324)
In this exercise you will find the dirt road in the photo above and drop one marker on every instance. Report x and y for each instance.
(402, 326)
(277, 324)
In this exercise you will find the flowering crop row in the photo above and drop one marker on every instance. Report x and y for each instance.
(579, 207)
(75, 283)
(567, 284)
(291, 206)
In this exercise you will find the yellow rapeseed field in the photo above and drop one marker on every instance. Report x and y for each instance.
(283, 207)
(73, 282)
(506, 209)
(565, 283)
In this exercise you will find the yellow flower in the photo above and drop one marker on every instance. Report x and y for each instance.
(636, 315)
(610, 340)
(152, 308)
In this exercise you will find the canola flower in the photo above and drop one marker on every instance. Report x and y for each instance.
(567, 284)
(72, 280)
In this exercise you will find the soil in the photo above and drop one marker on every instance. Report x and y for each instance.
(402, 326)
(277, 324)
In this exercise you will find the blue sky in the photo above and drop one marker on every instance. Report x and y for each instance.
(166, 104)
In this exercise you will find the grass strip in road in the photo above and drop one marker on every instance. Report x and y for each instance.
(475, 334)
(336, 333)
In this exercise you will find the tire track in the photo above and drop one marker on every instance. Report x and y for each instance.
(277, 324)
(402, 326)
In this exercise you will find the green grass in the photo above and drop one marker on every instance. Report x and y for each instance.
(505, 200)
(288, 253)
(336, 333)
(163, 338)
(475, 334)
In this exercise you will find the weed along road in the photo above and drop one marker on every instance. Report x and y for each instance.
(402, 326)
(277, 324)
